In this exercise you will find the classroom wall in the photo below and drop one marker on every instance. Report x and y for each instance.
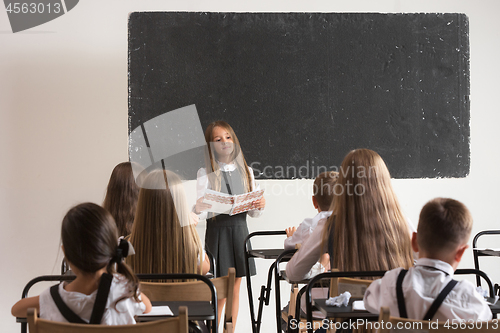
(63, 127)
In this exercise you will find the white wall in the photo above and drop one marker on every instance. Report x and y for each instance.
(62, 131)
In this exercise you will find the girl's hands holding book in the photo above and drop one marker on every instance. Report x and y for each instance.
(201, 206)
(259, 204)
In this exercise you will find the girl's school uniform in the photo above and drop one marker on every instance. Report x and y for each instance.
(116, 313)
(225, 235)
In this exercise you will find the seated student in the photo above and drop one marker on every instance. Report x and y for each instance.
(444, 229)
(323, 189)
(322, 199)
(164, 235)
(89, 241)
(121, 197)
(367, 230)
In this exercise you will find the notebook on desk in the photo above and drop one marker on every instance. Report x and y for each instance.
(161, 310)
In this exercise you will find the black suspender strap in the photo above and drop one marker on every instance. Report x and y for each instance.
(99, 304)
(439, 300)
(101, 298)
(227, 183)
(67, 313)
(399, 294)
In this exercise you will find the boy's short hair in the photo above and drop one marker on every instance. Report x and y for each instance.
(323, 189)
(443, 225)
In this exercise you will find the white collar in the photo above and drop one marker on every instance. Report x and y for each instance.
(435, 264)
(226, 167)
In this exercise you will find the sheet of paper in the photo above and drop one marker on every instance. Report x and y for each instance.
(162, 310)
(358, 306)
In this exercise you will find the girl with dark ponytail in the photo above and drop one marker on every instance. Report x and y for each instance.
(90, 244)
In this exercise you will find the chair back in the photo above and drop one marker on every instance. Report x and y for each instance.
(357, 287)
(172, 325)
(339, 285)
(195, 291)
(387, 324)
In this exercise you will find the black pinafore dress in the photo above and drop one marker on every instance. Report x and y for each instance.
(225, 234)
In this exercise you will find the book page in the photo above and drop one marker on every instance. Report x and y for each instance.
(221, 202)
(243, 202)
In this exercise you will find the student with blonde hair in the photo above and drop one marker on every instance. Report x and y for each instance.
(163, 235)
(121, 197)
(367, 230)
(427, 291)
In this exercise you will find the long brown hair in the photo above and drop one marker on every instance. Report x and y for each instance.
(368, 228)
(121, 197)
(90, 240)
(212, 167)
(163, 238)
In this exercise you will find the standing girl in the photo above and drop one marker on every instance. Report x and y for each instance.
(226, 171)
(90, 245)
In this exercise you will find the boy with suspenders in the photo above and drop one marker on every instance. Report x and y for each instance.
(427, 291)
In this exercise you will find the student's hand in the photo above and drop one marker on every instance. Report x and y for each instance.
(259, 204)
(20, 309)
(193, 218)
(147, 303)
(201, 206)
(205, 266)
(325, 261)
(290, 231)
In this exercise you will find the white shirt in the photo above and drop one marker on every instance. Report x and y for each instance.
(202, 184)
(310, 252)
(421, 286)
(305, 229)
(82, 304)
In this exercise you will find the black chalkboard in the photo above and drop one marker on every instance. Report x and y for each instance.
(302, 89)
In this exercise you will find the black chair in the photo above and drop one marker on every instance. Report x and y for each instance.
(212, 272)
(484, 253)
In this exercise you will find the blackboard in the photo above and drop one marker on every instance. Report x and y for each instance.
(303, 89)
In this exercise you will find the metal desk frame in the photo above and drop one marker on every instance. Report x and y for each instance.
(265, 291)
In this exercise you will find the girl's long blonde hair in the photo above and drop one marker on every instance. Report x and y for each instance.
(163, 238)
(368, 228)
(212, 167)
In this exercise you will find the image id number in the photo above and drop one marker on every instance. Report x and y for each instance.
(33, 8)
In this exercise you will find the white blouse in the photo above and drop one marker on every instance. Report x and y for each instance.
(82, 305)
(202, 184)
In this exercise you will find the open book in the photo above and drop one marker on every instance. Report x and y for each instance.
(223, 203)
